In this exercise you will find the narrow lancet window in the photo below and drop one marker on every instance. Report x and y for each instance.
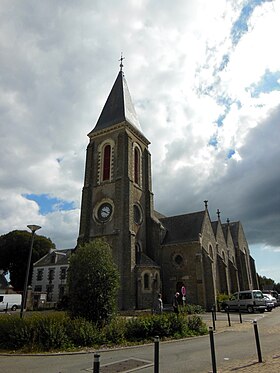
(136, 165)
(106, 162)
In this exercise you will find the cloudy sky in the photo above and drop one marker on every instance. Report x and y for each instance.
(204, 77)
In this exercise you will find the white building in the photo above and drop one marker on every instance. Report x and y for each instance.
(50, 274)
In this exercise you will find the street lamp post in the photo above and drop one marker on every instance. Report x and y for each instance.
(33, 229)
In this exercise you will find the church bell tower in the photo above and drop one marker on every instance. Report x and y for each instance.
(117, 200)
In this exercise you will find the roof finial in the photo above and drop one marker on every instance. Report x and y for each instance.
(206, 203)
(228, 221)
(121, 59)
(218, 213)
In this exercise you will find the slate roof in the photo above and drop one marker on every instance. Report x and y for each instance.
(234, 228)
(146, 261)
(62, 258)
(225, 231)
(214, 226)
(183, 228)
(118, 107)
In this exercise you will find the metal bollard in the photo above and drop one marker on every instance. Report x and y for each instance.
(240, 317)
(96, 363)
(228, 317)
(257, 341)
(215, 311)
(213, 356)
(156, 355)
(213, 319)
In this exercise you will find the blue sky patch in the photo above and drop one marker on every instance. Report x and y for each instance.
(270, 81)
(230, 153)
(240, 27)
(220, 120)
(213, 141)
(49, 204)
(224, 62)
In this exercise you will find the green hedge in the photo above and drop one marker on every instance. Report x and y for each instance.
(57, 331)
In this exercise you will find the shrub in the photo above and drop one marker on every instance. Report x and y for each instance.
(221, 297)
(82, 332)
(51, 331)
(196, 325)
(191, 309)
(138, 328)
(114, 333)
(15, 333)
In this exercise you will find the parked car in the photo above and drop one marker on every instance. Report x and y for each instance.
(274, 294)
(271, 300)
(248, 300)
(269, 303)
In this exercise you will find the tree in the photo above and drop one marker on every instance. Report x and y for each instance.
(266, 283)
(93, 282)
(14, 250)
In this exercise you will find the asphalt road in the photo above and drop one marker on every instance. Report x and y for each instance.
(232, 345)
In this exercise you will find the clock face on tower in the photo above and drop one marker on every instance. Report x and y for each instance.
(104, 212)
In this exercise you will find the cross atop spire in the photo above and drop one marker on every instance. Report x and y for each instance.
(121, 59)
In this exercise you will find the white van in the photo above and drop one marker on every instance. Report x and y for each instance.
(10, 301)
(248, 300)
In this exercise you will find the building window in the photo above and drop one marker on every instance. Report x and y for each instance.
(40, 273)
(136, 166)
(38, 288)
(138, 253)
(178, 260)
(49, 289)
(146, 281)
(51, 274)
(61, 291)
(63, 271)
(106, 162)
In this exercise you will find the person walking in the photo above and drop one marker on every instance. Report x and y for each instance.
(175, 303)
(159, 304)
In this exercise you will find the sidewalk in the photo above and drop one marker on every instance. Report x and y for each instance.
(270, 364)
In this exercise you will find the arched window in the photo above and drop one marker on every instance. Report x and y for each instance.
(106, 162)
(211, 252)
(136, 165)
(138, 253)
(146, 281)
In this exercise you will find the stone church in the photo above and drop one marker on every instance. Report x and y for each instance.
(154, 253)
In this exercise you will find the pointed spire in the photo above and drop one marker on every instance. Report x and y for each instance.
(118, 107)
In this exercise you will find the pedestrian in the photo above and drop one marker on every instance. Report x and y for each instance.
(175, 303)
(159, 304)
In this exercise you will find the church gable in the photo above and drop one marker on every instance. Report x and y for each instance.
(229, 243)
(208, 239)
(221, 245)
